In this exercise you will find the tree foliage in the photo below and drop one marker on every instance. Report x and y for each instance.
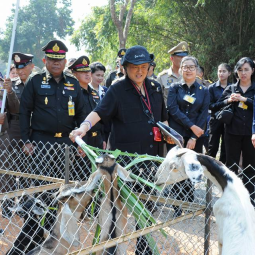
(38, 23)
(216, 31)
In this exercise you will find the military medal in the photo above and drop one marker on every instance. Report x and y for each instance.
(71, 107)
(46, 100)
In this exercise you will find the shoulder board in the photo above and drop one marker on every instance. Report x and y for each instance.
(70, 75)
(209, 81)
(163, 72)
(37, 73)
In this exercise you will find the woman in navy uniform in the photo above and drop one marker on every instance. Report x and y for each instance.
(216, 128)
(239, 132)
(188, 104)
(134, 104)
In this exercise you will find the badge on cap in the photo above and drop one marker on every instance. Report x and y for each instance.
(84, 62)
(184, 48)
(17, 59)
(55, 48)
(122, 53)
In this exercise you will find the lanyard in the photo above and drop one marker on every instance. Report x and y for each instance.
(148, 105)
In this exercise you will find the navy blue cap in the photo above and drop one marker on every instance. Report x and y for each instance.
(137, 55)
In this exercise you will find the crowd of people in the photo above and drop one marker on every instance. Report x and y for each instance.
(121, 113)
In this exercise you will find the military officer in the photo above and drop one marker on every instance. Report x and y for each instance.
(171, 75)
(119, 72)
(151, 71)
(200, 77)
(55, 99)
(24, 66)
(82, 71)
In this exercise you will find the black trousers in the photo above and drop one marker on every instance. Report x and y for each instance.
(235, 144)
(216, 131)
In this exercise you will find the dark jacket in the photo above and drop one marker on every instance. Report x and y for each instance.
(183, 115)
(47, 102)
(241, 123)
(215, 91)
(131, 127)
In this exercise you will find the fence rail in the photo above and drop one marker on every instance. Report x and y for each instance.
(34, 188)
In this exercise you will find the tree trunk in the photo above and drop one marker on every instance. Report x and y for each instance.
(119, 20)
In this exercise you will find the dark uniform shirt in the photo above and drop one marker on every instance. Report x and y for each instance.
(183, 114)
(215, 91)
(47, 101)
(91, 99)
(241, 123)
(131, 127)
(113, 76)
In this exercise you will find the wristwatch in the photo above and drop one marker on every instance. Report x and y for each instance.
(192, 138)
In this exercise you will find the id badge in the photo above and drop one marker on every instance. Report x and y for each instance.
(189, 99)
(243, 105)
(71, 111)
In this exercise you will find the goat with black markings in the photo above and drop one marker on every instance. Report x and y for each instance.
(235, 216)
(112, 214)
(65, 233)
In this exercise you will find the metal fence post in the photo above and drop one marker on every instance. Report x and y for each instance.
(67, 164)
(208, 211)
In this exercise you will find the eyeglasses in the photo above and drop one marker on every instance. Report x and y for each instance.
(186, 68)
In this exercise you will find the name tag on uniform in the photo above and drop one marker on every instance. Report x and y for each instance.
(243, 105)
(45, 86)
(189, 99)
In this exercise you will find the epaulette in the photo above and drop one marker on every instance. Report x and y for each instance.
(209, 81)
(36, 73)
(70, 75)
(163, 72)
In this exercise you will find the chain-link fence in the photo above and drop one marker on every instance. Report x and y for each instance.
(108, 213)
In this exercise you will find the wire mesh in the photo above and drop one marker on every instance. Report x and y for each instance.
(39, 212)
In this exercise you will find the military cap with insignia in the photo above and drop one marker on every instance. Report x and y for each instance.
(180, 50)
(81, 64)
(153, 64)
(121, 53)
(55, 49)
(21, 60)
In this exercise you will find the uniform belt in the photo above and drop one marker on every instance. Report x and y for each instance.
(57, 135)
(93, 134)
(14, 117)
(3, 133)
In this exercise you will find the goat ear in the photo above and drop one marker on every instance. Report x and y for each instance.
(68, 226)
(180, 154)
(92, 182)
(111, 156)
(124, 174)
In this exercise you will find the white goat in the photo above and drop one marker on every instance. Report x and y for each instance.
(112, 214)
(234, 212)
(65, 233)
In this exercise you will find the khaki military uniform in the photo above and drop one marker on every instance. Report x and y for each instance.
(166, 78)
(204, 82)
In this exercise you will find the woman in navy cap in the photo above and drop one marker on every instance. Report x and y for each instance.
(134, 104)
